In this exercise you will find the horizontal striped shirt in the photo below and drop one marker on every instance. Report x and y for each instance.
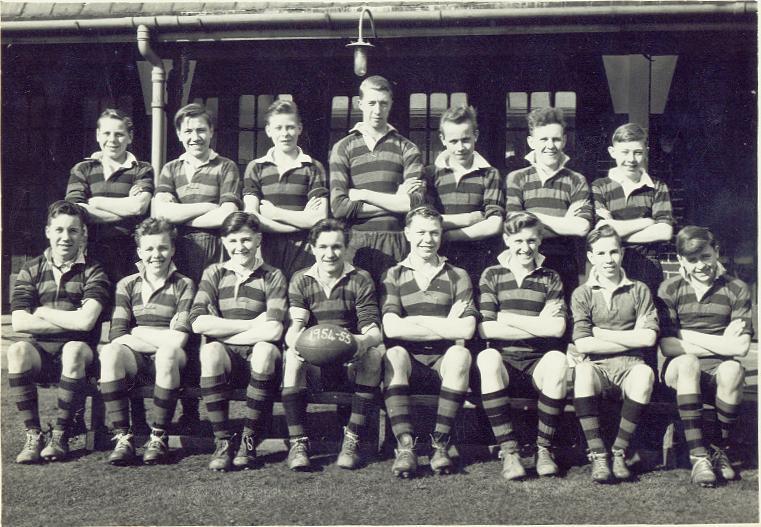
(291, 190)
(726, 300)
(170, 301)
(352, 165)
(225, 294)
(87, 180)
(37, 284)
(216, 181)
(594, 306)
(351, 303)
(501, 292)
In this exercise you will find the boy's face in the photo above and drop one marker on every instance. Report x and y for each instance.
(284, 129)
(630, 157)
(195, 134)
(701, 266)
(424, 235)
(606, 256)
(328, 252)
(548, 142)
(113, 138)
(156, 252)
(375, 106)
(524, 245)
(460, 141)
(241, 245)
(66, 235)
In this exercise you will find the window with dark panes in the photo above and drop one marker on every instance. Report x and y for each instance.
(344, 114)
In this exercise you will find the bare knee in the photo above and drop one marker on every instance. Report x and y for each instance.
(21, 357)
(489, 362)
(730, 375)
(640, 383)
(371, 362)
(684, 367)
(264, 356)
(168, 360)
(75, 356)
(212, 356)
(396, 363)
(456, 361)
(584, 378)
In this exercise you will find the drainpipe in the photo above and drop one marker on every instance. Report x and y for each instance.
(158, 116)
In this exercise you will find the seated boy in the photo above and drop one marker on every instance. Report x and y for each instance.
(707, 326)
(614, 323)
(240, 307)
(57, 299)
(636, 205)
(522, 318)
(332, 292)
(428, 314)
(149, 329)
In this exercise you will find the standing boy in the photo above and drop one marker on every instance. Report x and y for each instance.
(614, 324)
(635, 204)
(332, 292)
(57, 300)
(707, 326)
(522, 318)
(374, 180)
(556, 195)
(240, 307)
(149, 329)
(468, 193)
(286, 190)
(428, 314)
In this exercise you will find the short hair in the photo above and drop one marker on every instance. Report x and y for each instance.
(67, 208)
(520, 220)
(376, 82)
(603, 231)
(543, 117)
(282, 106)
(458, 115)
(237, 221)
(328, 225)
(691, 240)
(629, 132)
(113, 113)
(192, 110)
(424, 211)
(151, 226)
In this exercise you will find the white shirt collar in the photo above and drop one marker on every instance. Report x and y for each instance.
(701, 291)
(147, 289)
(109, 166)
(289, 164)
(594, 280)
(407, 262)
(479, 162)
(544, 175)
(194, 162)
(313, 271)
(141, 269)
(58, 272)
(519, 272)
(243, 272)
(363, 129)
(627, 184)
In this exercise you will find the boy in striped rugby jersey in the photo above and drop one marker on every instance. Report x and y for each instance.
(556, 195)
(428, 314)
(240, 306)
(707, 326)
(115, 189)
(635, 204)
(374, 180)
(57, 299)
(522, 317)
(332, 291)
(149, 329)
(615, 325)
(467, 191)
(286, 190)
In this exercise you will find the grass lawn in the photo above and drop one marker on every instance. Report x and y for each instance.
(87, 491)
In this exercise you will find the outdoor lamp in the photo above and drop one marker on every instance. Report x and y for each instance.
(361, 46)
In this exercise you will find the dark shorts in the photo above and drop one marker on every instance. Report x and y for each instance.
(708, 368)
(50, 360)
(425, 379)
(612, 372)
(196, 250)
(240, 367)
(521, 375)
(376, 251)
(146, 370)
(287, 252)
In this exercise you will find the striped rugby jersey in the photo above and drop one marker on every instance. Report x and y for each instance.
(36, 285)
(217, 181)
(291, 190)
(224, 294)
(172, 299)
(726, 300)
(87, 180)
(351, 304)
(352, 165)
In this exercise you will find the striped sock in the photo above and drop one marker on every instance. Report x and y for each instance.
(68, 388)
(24, 392)
(587, 410)
(259, 398)
(397, 398)
(727, 415)
(497, 409)
(548, 414)
(362, 403)
(690, 412)
(215, 396)
(164, 402)
(450, 402)
(117, 404)
(630, 414)
(295, 406)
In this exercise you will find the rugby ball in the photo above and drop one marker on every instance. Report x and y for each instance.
(326, 344)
